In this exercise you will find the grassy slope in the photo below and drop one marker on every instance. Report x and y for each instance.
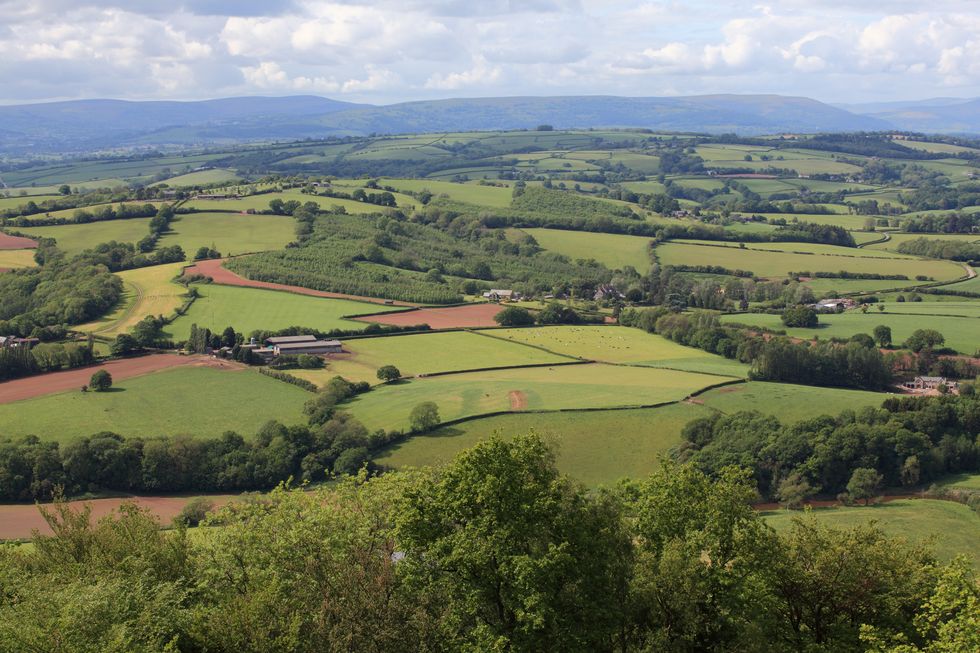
(614, 344)
(544, 388)
(596, 447)
(148, 291)
(425, 354)
(469, 193)
(202, 402)
(773, 263)
(248, 309)
(790, 403)
(960, 332)
(73, 238)
(612, 250)
(951, 528)
(230, 233)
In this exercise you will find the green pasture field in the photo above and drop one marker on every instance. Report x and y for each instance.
(17, 258)
(652, 187)
(261, 203)
(956, 169)
(962, 481)
(950, 528)
(962, 333)
(612, 250)
(52, 189)
(16, 201)
(806, 162)
(424, 354)
(969, 285)
(201, 178)
(768, 260)
(249, 309)
(861, 237)
(102, 172)
(896, 239)
(704, 183)
(788, 402)
(942, 148)
(230, 233)
(532, 388)
(594, 447)
(618, 344)
(198, 401)
(73, 238)
(642, 163)
(957, 307)
(147, 291)
(750, 228)
(837, 287)
(470, 193)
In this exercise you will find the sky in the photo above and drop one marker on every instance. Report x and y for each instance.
(396, 50)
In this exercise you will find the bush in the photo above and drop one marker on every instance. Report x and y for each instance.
(514, 316)
(100, 381)
(194, 512)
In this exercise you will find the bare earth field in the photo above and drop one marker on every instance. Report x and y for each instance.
(18, 521)
(53, 382)
(474, 315)
(16, 242)
(215, 269)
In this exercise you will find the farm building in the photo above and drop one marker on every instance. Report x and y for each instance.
(14, 341)
(287, 340)
(930, 383)
(308, 347)
(606, 292)
(836, 304)
(499, 295)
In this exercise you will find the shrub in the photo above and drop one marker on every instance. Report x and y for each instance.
(514, 316)
(389, 373)
(100, 381)
(424, 417)
(194, 512)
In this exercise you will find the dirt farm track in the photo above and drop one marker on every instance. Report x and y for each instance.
(53, 382)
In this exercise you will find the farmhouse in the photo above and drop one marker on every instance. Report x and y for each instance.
(605, 292)
(497, 295)
(929, 383)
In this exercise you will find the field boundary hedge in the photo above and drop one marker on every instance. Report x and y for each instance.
(541, 411)
(505, 367)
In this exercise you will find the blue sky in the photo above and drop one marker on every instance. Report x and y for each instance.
(389, 51)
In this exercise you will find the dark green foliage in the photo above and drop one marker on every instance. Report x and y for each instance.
(555, 313)
(388, 373)
(800, 316)
(101, 381)
(883, 335)
(424, 417)
(16, 362)
(924, 339)
(936, 434)
(955, 250)
(57, 293)
(514, 316)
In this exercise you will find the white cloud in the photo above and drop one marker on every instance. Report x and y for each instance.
(392, 50)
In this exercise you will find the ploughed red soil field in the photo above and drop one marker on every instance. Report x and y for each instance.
(215, 269)
(52, 382)
(473, 315)
(17, 521)
(16, 242)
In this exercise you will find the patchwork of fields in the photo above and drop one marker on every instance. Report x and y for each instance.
(147, 291)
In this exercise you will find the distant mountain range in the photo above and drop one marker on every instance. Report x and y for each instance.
(99, 124)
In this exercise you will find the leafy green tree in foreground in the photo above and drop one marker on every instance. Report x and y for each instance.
(100, 381)
(883, 335)
(800, 316)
